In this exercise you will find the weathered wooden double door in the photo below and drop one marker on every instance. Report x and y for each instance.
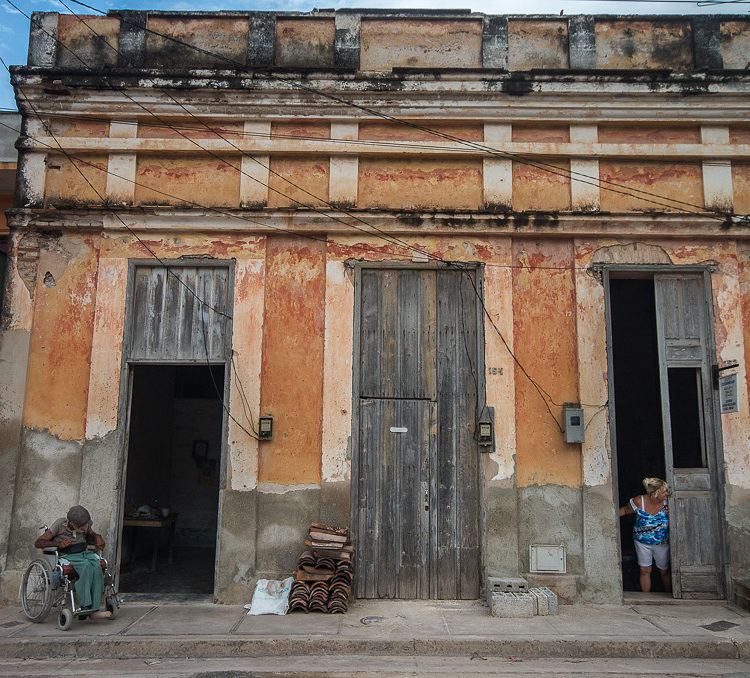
(688, 424)
(415, 470)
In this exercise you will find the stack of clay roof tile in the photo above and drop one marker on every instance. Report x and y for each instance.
(323, 579)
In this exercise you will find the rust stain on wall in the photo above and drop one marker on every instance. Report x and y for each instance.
(298, 181)
(314, 129)
(643, 44)
(65, 183)
(223, 40)
(305, 42)
(185, 179)
(190, 128)
(390, 131)
(739, 134)
(292, 363)
(649, 134)
(540, 133)
(79, 45)
(535, 188)
(420, 44)
(60, 353)
(62, 127)
(681, 181)
(420, 184)
(741, 186)
(544, 337)
(537, 44)
(735, 44)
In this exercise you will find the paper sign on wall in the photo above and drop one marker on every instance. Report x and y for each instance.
(728, 394)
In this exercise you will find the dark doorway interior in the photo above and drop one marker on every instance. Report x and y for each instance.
(638, 422)
(173, 461)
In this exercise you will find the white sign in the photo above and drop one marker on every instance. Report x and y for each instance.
(728, 394)
(399, 429)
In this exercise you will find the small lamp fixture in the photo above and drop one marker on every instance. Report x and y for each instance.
(265, 428)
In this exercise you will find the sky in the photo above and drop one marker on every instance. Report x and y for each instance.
(14, 27)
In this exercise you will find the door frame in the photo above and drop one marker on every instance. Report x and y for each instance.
(714, 463)
(358, 267)
(126, 389)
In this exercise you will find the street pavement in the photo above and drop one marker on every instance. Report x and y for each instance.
(385, 638)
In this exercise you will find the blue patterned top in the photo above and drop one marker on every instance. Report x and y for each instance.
(648, 528)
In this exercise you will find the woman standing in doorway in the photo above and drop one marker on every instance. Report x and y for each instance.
(651, 531)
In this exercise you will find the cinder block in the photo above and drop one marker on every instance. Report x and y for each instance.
(551, 599)
(505, 585)
(542, 602)
(513, 605)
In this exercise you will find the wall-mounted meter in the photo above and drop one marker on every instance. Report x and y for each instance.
(573, 420)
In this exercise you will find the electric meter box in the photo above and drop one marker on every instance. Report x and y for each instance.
(573, 418)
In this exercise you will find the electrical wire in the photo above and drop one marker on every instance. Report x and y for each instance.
(403, 122)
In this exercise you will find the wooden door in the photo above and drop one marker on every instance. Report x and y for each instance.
(415, 480)
(688, 419)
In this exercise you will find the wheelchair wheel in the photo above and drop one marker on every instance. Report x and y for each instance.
(36, 590)
(64, 619)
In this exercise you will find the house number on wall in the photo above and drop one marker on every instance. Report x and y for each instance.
(495, 370)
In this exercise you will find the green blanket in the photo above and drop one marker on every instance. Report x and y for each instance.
(90, 584)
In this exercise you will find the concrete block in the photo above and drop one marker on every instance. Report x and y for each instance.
(505, 585)
(546, 601)
(513, 605)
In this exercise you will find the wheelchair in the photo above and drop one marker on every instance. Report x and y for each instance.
(48, 582)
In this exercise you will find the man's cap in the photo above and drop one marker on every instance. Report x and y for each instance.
(78, 515)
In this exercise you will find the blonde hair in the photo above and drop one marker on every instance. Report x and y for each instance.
(654, 486)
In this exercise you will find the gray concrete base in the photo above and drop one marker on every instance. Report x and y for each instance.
(366, 666)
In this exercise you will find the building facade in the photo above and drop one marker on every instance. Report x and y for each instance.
(428, 247)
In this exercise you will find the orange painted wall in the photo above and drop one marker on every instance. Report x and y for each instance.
(297, 181)
(61, 335)
(200, 179)
(681, 181)
(292, 363)
(397, 183)
(741, 186)
(391, 131)
(544, 340)
(65, 182)
(649, 134)
(541, 187)
(63, 127)
(190, 128)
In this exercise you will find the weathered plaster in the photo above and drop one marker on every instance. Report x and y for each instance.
(106, 348)
(292, 360)
(337, 372)
(247, 339)
(500, 367)
(235, 560)
(76, 47)
(537, 44)
(60, 353)
(416, 43)
(254, 179)
(649, 44)
(304, 41)
(51, 471)
(592, 369)
(192, 180)
(420, 184)
(544, 318)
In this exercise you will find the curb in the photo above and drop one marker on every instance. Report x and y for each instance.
(591, 647)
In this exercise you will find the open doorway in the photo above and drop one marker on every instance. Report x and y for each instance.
(638, 415)
(172, 479)
(665, 424)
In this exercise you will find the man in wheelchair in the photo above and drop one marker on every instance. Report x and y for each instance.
(71, 536)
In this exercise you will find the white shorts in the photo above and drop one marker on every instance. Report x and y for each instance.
(648, 553)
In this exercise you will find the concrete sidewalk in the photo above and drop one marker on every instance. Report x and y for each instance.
(388, 628)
